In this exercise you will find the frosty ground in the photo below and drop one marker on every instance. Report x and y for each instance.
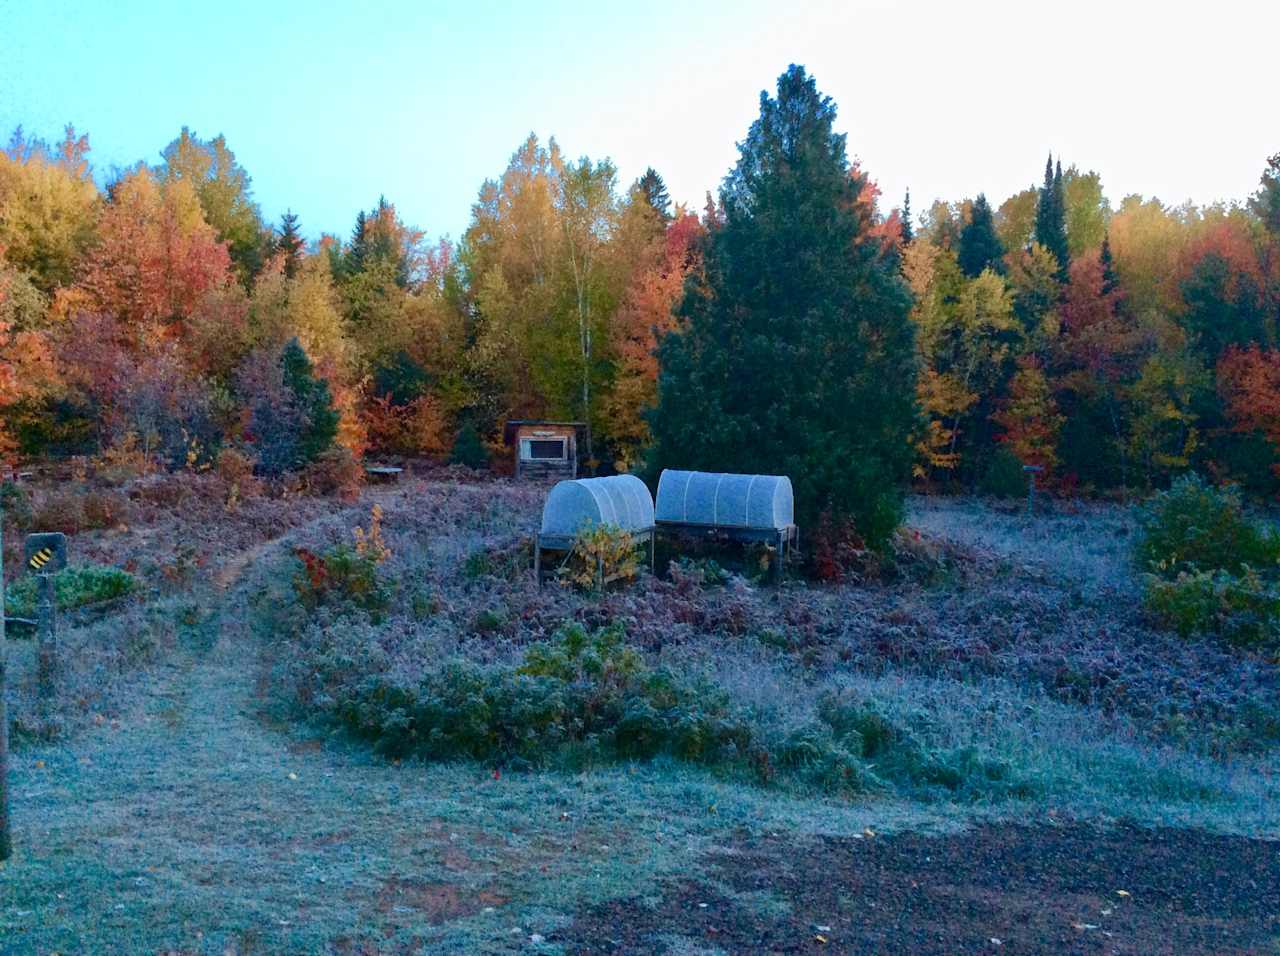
(185, 793)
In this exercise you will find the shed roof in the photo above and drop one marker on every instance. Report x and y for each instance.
(509, 429)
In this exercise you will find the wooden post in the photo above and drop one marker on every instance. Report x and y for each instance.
(47, 623)
(6, 842)
(1031, 471)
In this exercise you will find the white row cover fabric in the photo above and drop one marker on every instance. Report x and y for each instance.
(622, 501)
(729, 501)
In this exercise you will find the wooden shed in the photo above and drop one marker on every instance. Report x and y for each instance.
(544, 451)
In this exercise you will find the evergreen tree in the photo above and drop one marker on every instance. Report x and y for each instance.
(358, 249)
(1265, 203)
(311, 393)
(980, 247)
(655, 192)
(798, 357)
(1110, 280)
(468, 448)
(1051, 217)
(290, 243)
(908, 233)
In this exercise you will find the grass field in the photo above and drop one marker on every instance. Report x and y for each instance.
(191, 792)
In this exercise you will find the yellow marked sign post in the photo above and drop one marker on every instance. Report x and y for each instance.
(46, 553)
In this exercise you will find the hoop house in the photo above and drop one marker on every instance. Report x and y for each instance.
(621, 501)
(714, 500)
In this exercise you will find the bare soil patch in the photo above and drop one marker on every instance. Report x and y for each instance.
(995, 889)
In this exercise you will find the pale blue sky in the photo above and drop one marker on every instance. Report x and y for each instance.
(329, 105)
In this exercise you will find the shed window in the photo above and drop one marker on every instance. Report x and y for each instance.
(542, 449)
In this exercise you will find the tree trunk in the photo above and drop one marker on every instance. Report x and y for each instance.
(584, 344)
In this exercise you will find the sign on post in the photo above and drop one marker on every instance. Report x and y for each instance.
(46, 553)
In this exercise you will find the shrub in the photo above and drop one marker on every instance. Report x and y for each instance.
(414, 428)
(689, 574)
(73, 587)
(346, 573)
(601, 555)
(586, 697)
(235, 469)
(468, 448)
(1243, 609)
(580, 698)
(15, 504)
(292, 418)
(73, 508)
(1196, 526)
(1003, 476)
(335, 473)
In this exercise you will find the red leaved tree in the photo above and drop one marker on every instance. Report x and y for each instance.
(156, 257)
(1029, 416)
(1249, 382)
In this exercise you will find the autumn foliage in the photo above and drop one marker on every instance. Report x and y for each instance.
(1115, 346)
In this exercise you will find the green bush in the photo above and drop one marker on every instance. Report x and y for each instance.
(1197, 526)
(15, 505)
(898, 758)
(579, 699)
(1003, 476)
(468, 448)
(1211, 569)
(73, 587)
(585, 698)
(1243, 609)
(343, 573)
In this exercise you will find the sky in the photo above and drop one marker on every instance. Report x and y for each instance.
(330, 105)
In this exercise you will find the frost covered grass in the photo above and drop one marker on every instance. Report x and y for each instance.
(1083, 545)
(968, 605)
(984, 653)
(220, 806)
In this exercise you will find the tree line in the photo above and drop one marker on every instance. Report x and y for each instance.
(791, 324)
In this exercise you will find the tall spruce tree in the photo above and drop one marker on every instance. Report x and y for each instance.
(358, 249)
(1051, 217)
(655, 192)
(798, 357)
(980, 246)
(1110, 279)
(908, 233)
(289, 242)
(314, 401)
